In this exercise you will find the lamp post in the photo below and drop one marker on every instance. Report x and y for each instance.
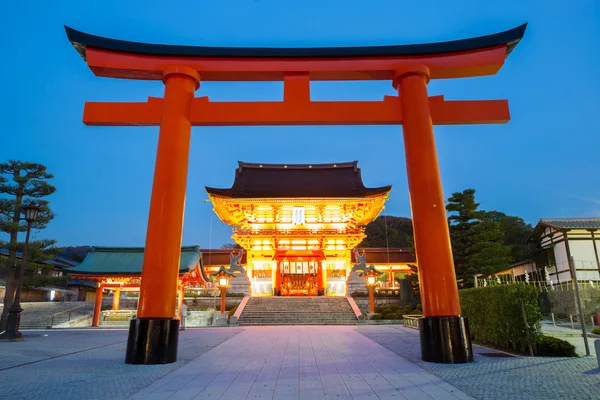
(14, 312)
(371, 275)
(222, 276)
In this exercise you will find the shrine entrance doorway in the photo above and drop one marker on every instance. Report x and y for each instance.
(300, 278)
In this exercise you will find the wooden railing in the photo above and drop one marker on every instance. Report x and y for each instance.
(411, 321)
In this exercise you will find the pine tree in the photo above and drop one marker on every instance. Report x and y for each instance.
(463, 217)
(487, 253)
(516, 235)
(22, 183)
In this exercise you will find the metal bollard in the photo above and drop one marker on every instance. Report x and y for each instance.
(597, 346)
(592, 321)
(553, 322)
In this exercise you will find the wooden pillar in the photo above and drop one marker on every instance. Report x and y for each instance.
(223, 300)
(165, 222)
(592, 231)
(116, 298)
(319, 277)
(371, 299)
(437, 279)
(180, 297)
(443, 331)
(391, 277)
(277, 284)
(153, 335)
(97, 306)
(324, 275)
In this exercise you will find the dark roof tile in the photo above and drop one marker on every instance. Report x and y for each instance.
(572, 223)
(341, 180)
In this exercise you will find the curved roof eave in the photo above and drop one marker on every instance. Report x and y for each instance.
(82, 40)
(237, 194)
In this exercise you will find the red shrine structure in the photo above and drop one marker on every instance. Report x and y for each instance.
(153, 336)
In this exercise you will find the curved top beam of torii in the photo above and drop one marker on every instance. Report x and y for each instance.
(477, 56)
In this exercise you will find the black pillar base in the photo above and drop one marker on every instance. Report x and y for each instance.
(445, 340)
(152, 341)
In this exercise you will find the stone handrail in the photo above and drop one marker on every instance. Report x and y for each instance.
(359, 315)
(233, 320)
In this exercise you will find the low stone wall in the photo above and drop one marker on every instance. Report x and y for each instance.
(78, 323)
(210, 301)
(363, 302)
(564, 301)
(199, 318)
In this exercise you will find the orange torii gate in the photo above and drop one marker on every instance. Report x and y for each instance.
(153, 336)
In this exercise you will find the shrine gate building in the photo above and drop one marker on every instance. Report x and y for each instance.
(299, 223)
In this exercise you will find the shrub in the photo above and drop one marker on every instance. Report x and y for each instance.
(379, 309)
(418, 307)
(394, 308)
(596, 331)
(495, 315)
(376, 317)
(406, 310)
(359, 294)
(549, 346)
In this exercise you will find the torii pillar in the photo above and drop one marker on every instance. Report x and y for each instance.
(444, 331)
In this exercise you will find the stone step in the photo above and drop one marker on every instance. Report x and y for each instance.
(295, 323)
(297, 311)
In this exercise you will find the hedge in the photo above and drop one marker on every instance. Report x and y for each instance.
(554, 347)
(496, 318)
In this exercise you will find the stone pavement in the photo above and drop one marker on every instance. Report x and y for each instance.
(293, 362)
(314, 362)
(572, 336)
(494, 378)
(310, 362)
(88, 363)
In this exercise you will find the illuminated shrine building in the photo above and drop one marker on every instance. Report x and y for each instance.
(298, 224)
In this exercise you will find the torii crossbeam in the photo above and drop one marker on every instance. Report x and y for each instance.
(153, 335)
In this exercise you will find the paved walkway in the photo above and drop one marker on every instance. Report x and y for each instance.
(316, 362)
(300, 363)
(492, 378)
(88, 363)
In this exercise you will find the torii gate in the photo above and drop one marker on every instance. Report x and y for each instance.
(153, 336)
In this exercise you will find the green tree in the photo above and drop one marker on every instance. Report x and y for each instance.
(22, 183)
(516, 235)
(397, 234)
(487, 253)
(463, 217)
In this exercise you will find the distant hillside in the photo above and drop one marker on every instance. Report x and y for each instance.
(75, 253)
(399, 233)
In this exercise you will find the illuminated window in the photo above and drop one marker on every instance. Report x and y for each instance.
(298, 215)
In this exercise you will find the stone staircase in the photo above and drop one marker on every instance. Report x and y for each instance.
(38, 315)
(297, 311)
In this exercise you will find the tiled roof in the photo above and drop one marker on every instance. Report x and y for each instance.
(572, 223)
(127, 261)
(298, 180)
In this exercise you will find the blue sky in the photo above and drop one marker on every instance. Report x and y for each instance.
(543, 163)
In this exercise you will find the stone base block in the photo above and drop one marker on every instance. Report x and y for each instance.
(445, 340)
(152, 341)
